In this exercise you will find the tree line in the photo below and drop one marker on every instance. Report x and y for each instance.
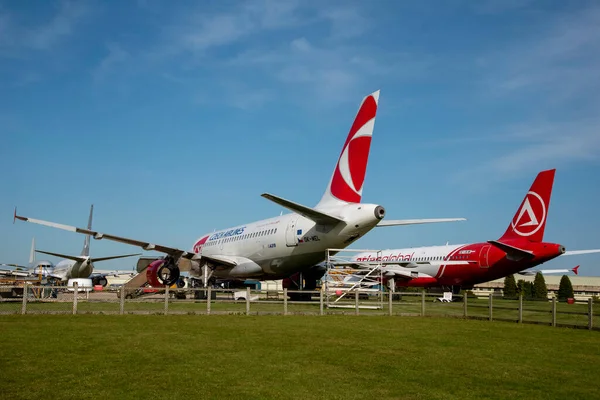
(536, 290)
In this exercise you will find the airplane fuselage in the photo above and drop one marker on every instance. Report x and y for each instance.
(70, 269)
(460, 265)
(277, 247)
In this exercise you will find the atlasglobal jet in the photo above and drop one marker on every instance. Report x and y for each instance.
(278, 247)
(464, 265)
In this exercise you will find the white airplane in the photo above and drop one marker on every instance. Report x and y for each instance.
(74, 267)
(278, 247)
(35, 268)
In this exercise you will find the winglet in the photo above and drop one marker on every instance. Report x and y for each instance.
(575, 270)
(15, 215)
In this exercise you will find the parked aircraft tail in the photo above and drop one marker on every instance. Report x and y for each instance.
(32, 252)
(346, 183)
(86, 242)
(530, 220)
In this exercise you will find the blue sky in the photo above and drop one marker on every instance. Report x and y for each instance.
(173, 117)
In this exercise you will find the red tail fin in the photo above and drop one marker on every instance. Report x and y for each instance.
(348, 177)
(530, 220)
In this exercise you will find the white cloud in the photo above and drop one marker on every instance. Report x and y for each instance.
(16, 38)
(112, 62)
(530, 148)
(560, 60)
(308, 47)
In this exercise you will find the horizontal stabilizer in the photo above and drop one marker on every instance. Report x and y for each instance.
(68, 257)
(579, 252)
(396, 222)
(512, 253)
(532, 272)
(114, 257)
(319, 217)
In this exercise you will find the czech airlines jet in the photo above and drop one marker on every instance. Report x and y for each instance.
(81, 266)
(520, 248)
(281, 246)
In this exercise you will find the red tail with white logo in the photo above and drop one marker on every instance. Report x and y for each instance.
(530, 220)
(349, 175)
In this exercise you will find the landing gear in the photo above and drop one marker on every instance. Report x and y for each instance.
(302, 281)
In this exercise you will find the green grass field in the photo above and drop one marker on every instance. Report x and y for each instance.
(277, 357)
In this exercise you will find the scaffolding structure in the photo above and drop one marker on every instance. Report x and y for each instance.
(346, 277)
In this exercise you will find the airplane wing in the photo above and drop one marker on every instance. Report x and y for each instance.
(14, 272)
(397, 273)
(111, 273)
(396, 222)
(173, 251)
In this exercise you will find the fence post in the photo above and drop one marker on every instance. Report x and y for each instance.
(208, 297)
(490, 306)
(520, 307)
(390, 298)
(24, 305)
(423, 303)
(75, 291)
(247, 300)
(590, 313)
(166, 300)
(122, 299)
(356, 312)
(285, 299)
(554, 310)
(321, 300)
(465, 314)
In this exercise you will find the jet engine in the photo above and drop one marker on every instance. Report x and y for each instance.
(99, 280)
(162, 272)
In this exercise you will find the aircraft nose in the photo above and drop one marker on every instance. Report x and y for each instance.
(379, 212)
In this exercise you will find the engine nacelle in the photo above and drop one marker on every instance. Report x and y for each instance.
(99, 280)
(161, 273)
(152, 273)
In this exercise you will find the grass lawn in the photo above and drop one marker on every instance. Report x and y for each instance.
(277, 357)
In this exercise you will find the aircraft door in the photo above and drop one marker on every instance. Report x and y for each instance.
(483, 256)
(290, 232)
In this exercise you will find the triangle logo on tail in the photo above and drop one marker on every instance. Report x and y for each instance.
(531, 215)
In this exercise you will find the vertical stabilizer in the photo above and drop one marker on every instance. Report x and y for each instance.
(32, 252)
(346, 183)
(530, 220)
(86, 241)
